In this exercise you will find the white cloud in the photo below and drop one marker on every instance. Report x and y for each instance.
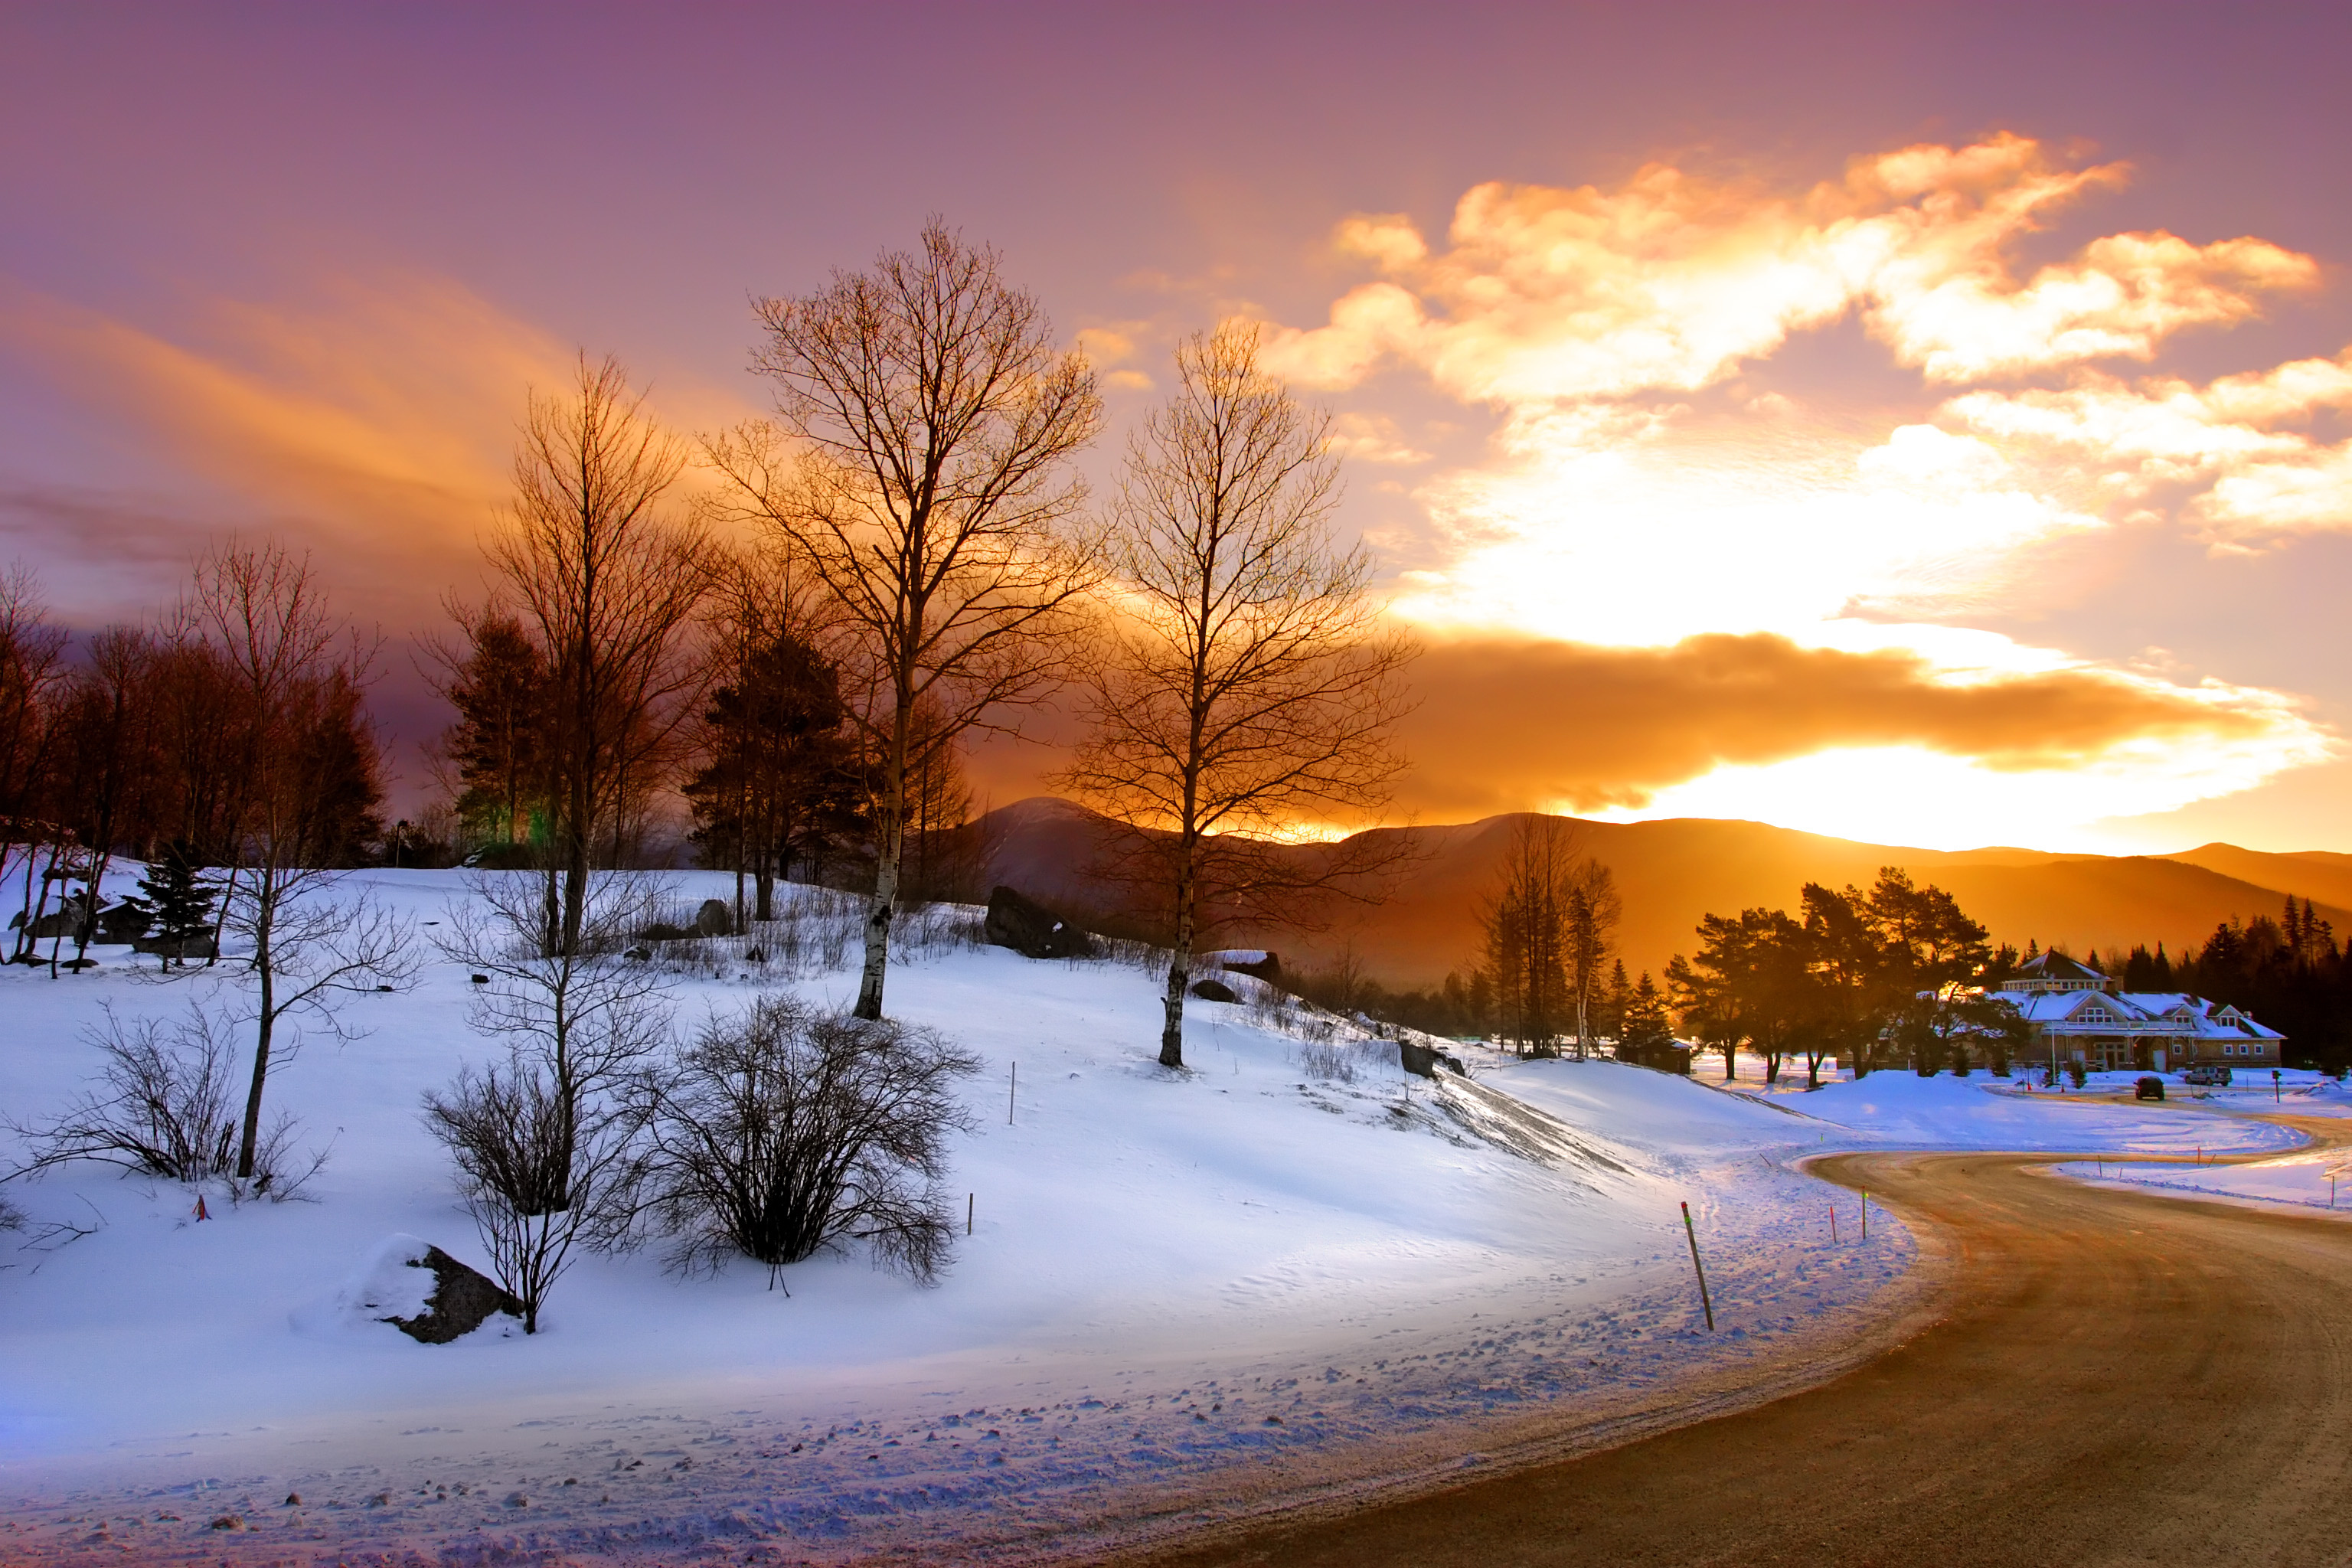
(1671, 281)
(2243, 476)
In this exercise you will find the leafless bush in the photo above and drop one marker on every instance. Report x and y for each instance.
(1327, 1060)
(544, 1173)
(165, 1104)
(934, 929)
(782, 1132)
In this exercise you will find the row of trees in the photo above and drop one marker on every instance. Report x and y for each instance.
(2286, 970)
(914, 560)
(232, 725)
(1893, 973)
(1549, 926)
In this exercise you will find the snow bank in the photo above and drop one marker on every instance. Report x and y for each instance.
(2312, 1178)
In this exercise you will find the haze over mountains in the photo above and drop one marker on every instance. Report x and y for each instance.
(1671, 873)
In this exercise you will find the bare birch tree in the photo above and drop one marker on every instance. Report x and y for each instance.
(609, 578)
(1248, 686)
(918, 462)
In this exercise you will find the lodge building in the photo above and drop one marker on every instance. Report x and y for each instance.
(2076, 1013)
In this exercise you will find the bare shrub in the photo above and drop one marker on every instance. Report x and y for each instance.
(543, 1174)
(166, 1104)
(783, 1131)
(1327, 1060)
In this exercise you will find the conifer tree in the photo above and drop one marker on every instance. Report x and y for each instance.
(181, 899)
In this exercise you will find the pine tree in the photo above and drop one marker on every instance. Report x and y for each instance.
(181, 899)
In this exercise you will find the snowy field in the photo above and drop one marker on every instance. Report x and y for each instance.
(2313, 1178)
(1169, 1280)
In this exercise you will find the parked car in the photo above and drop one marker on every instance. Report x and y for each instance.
(2149, 1086)
(2210, 1074)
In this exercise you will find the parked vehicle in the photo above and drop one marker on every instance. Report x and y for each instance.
(2149, 1086)
(2210, 1074)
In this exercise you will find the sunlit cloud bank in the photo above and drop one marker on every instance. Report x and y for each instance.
(1648, 484)
(1756, 725)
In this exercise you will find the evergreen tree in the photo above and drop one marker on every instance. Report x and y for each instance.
(181, 899)
(1645, 1028)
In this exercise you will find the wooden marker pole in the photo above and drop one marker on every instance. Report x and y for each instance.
(1692, 1231)
(1865, 1213)
(971, 1201)
(1011, 1093)
(1833, 1234)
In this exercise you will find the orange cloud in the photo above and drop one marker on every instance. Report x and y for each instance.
(375, 429)
(1510, 723)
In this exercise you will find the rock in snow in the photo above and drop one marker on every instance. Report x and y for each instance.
(423, 1292)
(1032, 930)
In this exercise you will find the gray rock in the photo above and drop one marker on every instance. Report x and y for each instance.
(1213, 991)
(462, 1302)
(1269, 969)
(714, 919)
(1424, 1060)
(1032, 930)
(183, 949)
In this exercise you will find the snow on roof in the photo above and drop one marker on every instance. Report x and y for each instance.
(2140, 1012)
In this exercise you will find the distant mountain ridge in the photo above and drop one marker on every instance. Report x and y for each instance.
(1671, 873)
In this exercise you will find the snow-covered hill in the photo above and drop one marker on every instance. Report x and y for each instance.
(1168, 1277)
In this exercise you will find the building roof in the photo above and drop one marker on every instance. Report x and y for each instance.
(2177, 1012)
(2054, 971)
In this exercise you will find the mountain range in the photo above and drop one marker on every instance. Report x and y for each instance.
(1672, 872)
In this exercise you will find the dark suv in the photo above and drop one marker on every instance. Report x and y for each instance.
(2149, 1086)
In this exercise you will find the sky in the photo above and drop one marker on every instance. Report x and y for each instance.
(1922, 423)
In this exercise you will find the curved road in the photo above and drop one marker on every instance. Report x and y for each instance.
(2116, 1379)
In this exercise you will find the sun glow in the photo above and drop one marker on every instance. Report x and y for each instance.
(1910, 795)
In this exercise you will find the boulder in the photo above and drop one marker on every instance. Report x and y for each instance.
(714, 919)
(185, 949)
(1213, 991)
(1032, 930)
(125, 922)
(459, 1301)
(1424, 1060)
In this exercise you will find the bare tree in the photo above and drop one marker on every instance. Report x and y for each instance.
(1523, 922)
(548, 1146)
(1591, 912)
(166, 1105)
(929, 490)
(308, 950)
(1248, 687)
(31, 672)
(311, 953)
(783, 1131)
(608, 577)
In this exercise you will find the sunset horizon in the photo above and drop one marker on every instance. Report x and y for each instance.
(1588, 765)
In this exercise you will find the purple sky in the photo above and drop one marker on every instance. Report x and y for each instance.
(292, 268)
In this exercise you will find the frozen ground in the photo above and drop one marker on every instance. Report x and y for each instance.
(1167, 1278)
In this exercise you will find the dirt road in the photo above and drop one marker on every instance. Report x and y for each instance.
(2119, 1379)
